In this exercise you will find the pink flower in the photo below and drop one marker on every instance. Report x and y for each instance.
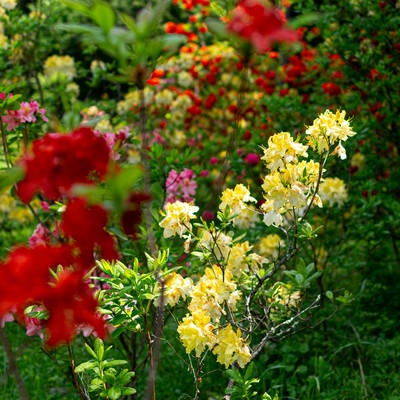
(40, 236)
(11, 120)
(8, 317)
(207, 215)
(26, 112)
(188, 185)
(34, 326)
(252, 159)
(213, 160)
(180, 186)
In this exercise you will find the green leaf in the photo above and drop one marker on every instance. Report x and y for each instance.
(113, 363)
(85, 366)
(217, 27)
(127, 391)
(104, 16)
(302, 20)
(234, 375)
(79, 6)
(90, 351)
(130, 23)
(217, 9)
(93, 31)
(329, 295)
(99, 349)
(114, 393)
(10, 176)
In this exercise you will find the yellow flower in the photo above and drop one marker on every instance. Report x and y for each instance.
(284, 295)
(196, 332)
(59, 67)
(20, 214)
(235, 199)
(231, 347)
(271, 216)
(282, 150)
(270, 245)
(358, 160)
(185, 79)
(247, 218)
(177, 218)
(328, 129)
(8, 4)
(333, 191)
(164, 97)
(213, 290)
(176, 287)
(217, 243)
(236, 262)
(3, 41)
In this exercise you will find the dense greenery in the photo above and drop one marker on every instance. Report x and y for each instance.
(348, 58)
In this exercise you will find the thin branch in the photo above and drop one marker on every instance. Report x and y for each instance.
(290, 323)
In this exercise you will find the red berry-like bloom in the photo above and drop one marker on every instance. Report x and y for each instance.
(70, 302)
(131, 216)
(25, 275)
(68, 299)
(86, 226)
(57, 162)
(260, 25)
(331, 88)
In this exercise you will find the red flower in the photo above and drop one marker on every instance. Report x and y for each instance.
(132, 215)
(26, 273)
(70, 303)
(331, 88)
(58, 161)
(86, 226)
(260, 25)
(26, 280)
(210, 101)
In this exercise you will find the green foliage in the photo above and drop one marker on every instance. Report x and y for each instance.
(106, 381)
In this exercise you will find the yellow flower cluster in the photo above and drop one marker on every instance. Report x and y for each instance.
(59, 68)
(333, 191)
(244, 215)
(283, 300)
(11, 210)
(176, 287)
(200, 329)
(132, 99)
(281, 150)
(329, 129)
(177, 218)
(8, 4)
(217, 243)
(291, 184)
(270, 245)
(289, 188)
(231, 348)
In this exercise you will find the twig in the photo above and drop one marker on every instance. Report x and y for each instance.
(155, 345)
(74, 375)
(290, 323)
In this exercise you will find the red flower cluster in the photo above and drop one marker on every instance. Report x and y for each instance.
(54, 276)
(28, 274)
(58, 161)
(260, 25)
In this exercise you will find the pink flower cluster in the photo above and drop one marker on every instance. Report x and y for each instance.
(27, 112)
(180, 186)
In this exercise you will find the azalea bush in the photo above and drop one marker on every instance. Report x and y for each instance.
(180, 180)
